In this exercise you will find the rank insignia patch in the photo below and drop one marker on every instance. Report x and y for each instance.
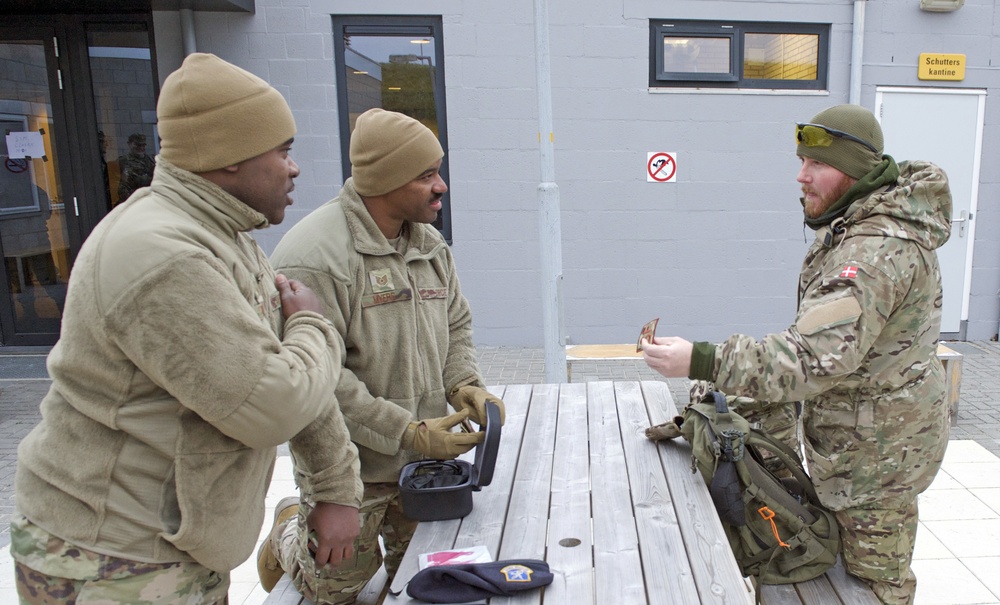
(381, 280)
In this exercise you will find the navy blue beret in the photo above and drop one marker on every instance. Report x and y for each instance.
(471, 581)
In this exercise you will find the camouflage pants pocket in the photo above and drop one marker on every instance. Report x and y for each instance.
(878, 548)
(381, 516)
(133, 583)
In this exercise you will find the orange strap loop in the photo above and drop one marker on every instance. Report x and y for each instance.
(768, 515)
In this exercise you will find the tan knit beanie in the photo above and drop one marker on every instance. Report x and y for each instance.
(212, 114)
(388, 150)
(850, 157)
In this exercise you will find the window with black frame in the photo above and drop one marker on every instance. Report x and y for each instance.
(395, 63)
(717, 54)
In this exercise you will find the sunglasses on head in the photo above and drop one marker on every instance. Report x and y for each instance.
(814, 135)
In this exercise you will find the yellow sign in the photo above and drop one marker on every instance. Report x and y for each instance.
(933, 66)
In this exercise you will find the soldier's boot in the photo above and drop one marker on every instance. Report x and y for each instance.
(268, 567)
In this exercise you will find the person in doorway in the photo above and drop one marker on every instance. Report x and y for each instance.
(135, 166)
(182, 362)
(102, 148)
(861, 354)
(388, 282)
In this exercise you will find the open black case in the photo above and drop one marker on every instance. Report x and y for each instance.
(433, 490)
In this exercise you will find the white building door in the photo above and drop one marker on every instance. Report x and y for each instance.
(943, 126)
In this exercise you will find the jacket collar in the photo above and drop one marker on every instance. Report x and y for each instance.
(204, 200)
(368, 239)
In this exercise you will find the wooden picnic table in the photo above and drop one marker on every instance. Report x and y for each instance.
(618, 518)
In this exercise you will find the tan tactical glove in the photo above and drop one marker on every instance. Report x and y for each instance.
(666, 430)
(433, 437)
(474, 400)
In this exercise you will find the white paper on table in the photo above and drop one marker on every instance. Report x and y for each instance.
(456, 556)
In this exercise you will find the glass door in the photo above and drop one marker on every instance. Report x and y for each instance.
(78, 119)
(34, 230)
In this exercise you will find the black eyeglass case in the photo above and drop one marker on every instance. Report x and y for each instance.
(434, 490)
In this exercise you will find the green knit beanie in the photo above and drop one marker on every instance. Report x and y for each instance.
(390, 149)
(850, 157)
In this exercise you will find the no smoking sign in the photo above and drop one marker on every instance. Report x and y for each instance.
(661, 167)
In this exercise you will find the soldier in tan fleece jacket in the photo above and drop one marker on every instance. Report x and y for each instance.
(388, 283)
(183, 361)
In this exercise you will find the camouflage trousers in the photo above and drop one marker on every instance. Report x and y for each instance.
(878, 547)
(50, 571)
(381, 515)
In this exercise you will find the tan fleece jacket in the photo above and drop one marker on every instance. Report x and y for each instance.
(407, 328)
(170, 387)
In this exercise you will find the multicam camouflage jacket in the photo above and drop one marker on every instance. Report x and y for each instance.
(861, 354)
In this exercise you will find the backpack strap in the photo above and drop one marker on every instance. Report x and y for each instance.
(788, 458)
(731, 440)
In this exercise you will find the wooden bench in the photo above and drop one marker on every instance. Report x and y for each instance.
(835, 586)
(597, 352)
(952, 361)
(373, 593)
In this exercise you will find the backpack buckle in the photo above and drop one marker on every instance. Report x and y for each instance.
(732, 442)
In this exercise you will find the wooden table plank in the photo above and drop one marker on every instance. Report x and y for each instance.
(574, 463)
(526, 525)
(715, 571)
(618, 568)
(484, 525)
(780, 594)
(665, 564)
(848, 589)
(569, 547)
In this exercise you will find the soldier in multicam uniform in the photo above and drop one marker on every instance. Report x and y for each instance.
(861, 355)
(136, 167)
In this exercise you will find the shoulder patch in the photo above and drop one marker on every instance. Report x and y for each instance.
(837, 312)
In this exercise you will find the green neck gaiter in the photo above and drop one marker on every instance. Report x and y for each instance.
(885, 173)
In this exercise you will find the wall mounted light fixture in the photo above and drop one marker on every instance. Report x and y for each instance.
(941, 6)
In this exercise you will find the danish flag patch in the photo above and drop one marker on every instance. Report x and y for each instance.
(850, 272)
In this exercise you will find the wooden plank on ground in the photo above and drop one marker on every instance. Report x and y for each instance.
(665, 564)
(617, 565)
(712, 563)
(569, 543)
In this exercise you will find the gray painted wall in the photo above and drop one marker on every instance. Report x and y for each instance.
(716, 252)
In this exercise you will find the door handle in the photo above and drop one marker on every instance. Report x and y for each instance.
(963, 217)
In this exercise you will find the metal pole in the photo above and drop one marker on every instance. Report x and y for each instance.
(187, 31)
(857, 51)
(549, 224)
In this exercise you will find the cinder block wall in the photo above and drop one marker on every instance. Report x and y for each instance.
(716, 252)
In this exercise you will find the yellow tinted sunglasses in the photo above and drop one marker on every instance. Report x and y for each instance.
(814, 135)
